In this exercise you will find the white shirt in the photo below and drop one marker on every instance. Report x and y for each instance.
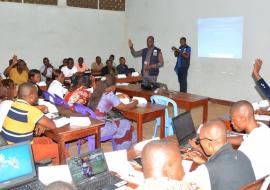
(164, 183)
(256, 146)
(49, 72)
(57, 88)
(200, 176)
(69, 72)
(2, 75)
(4, 107)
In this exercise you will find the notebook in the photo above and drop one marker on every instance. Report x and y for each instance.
(184, 128)
(17, 169)
(90, 171)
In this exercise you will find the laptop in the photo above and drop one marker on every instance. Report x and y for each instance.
(89, 171)
(17, 169)
(184, 128)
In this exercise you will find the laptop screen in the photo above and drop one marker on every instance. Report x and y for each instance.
(87, 165)
(16, 164)
(184, 127)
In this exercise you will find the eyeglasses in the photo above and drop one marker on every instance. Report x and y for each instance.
(198, 140)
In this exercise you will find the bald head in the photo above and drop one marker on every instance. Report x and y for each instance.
(28, 92)
(244, 108)
(213, 136)
(242, 116)
(215, 130)
(162, 158)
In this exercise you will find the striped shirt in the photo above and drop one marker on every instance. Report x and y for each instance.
(20, 122)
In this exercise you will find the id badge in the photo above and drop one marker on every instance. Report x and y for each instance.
(155, 52)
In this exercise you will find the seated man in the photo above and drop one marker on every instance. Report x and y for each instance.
(97, 66)
(109, 69)
(46, 70)
(122, 68)
(17, 71)
(69, 70)
(256, 142)
(259, 80)
(162, 166)
(23, 119)
(226, 168)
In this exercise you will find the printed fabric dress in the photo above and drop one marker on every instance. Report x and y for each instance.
(80, 95)
(120, 130)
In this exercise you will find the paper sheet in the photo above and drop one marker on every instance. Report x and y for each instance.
(61, 121)
(122, 84)
(139, 146)
(260, 104)
(135, 74)
(141, 101)
(121, 76)
(79, 121)
(49, 174)
(262, 117)
(117, 161)
(51, 108)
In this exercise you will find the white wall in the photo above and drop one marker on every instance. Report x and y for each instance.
(219, 78)
(36, 31)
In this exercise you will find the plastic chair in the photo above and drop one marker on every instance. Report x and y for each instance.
(48, 96)
(157, 99)
(91, 140)
(60, 101)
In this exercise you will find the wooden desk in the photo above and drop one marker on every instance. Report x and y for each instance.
(144, 114)
(129, 79)
(66, 133)
(183, 100)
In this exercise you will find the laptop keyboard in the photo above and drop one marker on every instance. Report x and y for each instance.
(100, 182)
(35, 185)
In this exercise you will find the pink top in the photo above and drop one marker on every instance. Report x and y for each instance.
(83, 68)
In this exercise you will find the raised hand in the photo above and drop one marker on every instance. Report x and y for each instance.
(256, 68)
(130, 44)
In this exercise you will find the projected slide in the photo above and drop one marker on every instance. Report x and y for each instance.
(220, 37)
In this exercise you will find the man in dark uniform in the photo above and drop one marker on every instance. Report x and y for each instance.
(182, 64)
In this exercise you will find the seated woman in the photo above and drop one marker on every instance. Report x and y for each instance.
(78, 92)
(56, 87)
(34, 77)
(102, 101)
(8, 90)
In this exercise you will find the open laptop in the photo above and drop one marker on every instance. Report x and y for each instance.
(89, 171)
(17, 169)
(184, 128)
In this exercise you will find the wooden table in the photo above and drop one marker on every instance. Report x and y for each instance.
(183, 100)
(129, 79)
(146, 113)
(67, 133)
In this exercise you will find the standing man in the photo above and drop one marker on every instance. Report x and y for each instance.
(152, 59)
(182, 64)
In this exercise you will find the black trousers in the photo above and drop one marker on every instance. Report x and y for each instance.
(182, 79)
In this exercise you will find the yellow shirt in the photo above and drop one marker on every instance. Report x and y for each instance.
(17, 77)
(20, 122)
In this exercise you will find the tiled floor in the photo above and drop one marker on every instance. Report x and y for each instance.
(214, 111)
